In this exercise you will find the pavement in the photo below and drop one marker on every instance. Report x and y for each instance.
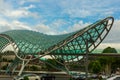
(6, 77)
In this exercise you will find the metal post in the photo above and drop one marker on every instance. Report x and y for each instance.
(86, 60)
(22, 67)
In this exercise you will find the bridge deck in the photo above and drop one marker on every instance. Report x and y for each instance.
(91, 54)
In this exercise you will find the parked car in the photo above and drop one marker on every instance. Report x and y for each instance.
(47, 77)
(116, 77)
(79, 76)
(29, 76)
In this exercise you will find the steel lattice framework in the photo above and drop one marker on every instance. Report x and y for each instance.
(38, 45)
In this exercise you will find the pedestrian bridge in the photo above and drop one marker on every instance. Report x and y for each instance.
(29, 45)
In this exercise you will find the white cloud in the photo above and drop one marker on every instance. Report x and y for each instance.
(9, 16)
(8, 10)
(20, 25)
(11, 25)
(21, 2)
(4, 6)
(59, 27)
(114, 35)
(78, 12)
(85, 8)
(4, 25)
(76, 8)
(58, 23)
(17, 13)
(44, 29)
(20, 13)
(78, 26)
(53, 28)
(30, 6)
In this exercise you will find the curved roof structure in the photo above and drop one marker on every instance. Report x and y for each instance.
(27, 42)
(31, 42)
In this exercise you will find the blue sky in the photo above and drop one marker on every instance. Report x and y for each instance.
(58, 16)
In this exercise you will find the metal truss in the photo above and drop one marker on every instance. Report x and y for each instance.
(76, 44)
(36, 45)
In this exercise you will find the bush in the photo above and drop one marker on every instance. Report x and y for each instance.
(26, 78)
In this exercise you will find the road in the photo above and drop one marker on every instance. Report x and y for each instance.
(5, 78)
(57, 77)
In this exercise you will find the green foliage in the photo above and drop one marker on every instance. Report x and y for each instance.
(34, 68)
(75, 66)
(52, 62)
(109, 50)
(116, 63)
(26, 78)
(71, 79)
(107, 61)
(95, 66)
(54, 65)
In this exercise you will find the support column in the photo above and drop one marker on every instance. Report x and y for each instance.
(22, 67)
(86, 60)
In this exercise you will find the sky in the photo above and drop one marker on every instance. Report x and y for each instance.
(56, 17)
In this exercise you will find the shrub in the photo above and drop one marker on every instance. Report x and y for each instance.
(26, 78)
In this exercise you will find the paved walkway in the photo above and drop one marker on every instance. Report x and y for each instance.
(6, 77)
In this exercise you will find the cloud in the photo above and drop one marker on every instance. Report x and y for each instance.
(85, 8)
(4, 6)
(20, 25)
(42, 28)
(78, 12)
(30, 6)
(78, 26)
(60, 27)
(114, 35)
(22, 2)
(54, 17)
(58, 23)
(12, 25)
(18, 16)
(20, 13)
(17, 13)
(8, 10)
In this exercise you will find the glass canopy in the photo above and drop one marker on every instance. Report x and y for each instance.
(66, 46)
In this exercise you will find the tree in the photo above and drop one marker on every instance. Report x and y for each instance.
(54, 64)
(95, 66)
(115, 64)
(109, 50)
(34, 68)
(49, 63)
(26, 78)
(107, 61)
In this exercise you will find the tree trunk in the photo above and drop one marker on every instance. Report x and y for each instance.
(108, 69)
